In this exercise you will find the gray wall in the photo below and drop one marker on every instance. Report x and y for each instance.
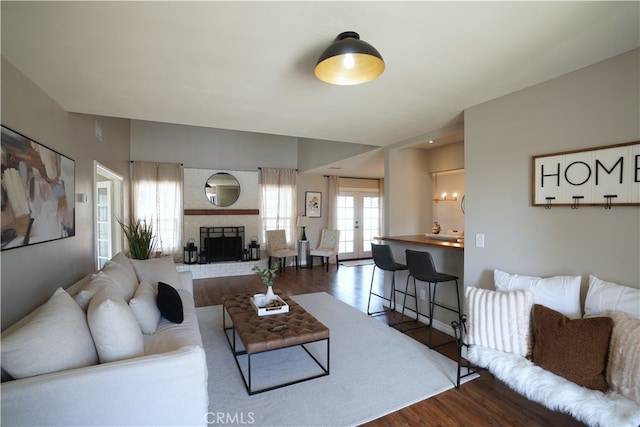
(595, 106)
(31, 274)
(204, 148)
(408, 195)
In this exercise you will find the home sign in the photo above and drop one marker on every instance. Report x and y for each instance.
(604, 176)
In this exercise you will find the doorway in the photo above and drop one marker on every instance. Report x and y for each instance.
(108, 207)
(358, 219)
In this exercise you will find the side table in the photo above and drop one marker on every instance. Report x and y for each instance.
(303, 253)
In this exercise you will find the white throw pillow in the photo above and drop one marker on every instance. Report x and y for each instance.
(98, 281)
(623, 366)
(499, 320)
(145, 308)
(54, 337)
(603, 297)
(156, 270)
(121, 278)
(114, 328)
(559, 293)
(121, 260)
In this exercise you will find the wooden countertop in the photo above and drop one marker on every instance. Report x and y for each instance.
(421, 239)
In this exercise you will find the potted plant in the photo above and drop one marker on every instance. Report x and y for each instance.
(267, 275)
(139, 237)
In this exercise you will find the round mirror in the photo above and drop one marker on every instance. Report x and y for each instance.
(222, 189)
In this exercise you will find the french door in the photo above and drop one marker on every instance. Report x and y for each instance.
(104, 224)
(107, 207)
(359, 222)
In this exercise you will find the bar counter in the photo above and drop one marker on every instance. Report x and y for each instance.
(421, 240)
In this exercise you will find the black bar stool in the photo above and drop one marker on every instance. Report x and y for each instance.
(383, 259)
(422, 268)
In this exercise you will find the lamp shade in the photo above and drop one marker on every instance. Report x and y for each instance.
(302, 221)
(349, 61)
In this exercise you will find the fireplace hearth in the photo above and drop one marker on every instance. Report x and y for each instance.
(221, 243)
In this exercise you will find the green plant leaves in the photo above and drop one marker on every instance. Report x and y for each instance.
(139, 237)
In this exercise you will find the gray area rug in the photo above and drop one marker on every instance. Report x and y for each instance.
(374, 370)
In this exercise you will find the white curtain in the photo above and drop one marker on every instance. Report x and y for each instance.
(332, 211)
(157, 198)
(278, 200)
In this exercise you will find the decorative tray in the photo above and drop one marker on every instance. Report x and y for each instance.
(278, 306)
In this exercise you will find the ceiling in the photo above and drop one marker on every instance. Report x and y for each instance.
(249, 65)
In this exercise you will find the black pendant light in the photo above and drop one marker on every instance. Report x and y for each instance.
(349, 61)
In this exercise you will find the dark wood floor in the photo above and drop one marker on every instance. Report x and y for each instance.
(482, 402)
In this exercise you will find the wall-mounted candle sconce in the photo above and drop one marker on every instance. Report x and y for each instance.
(444, 197)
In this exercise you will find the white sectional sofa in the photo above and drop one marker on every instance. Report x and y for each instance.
(120, 375)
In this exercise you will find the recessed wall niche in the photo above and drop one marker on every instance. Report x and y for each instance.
(449, 214)
(195, 198)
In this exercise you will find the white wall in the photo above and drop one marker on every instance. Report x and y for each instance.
(31, 274)
(595, 106)
(195, 198)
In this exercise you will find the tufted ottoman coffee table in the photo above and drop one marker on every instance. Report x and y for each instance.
(276, 332)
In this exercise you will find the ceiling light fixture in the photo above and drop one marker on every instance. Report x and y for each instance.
(349, 61)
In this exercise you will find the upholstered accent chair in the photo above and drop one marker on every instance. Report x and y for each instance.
(328, 247)
(278, 248)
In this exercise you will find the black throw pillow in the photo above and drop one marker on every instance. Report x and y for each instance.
(169, 303)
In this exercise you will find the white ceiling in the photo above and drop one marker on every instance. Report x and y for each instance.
(249, 65)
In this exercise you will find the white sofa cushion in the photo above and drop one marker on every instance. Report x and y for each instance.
(145, 308)
(122, 279)
(122, 261)
(603, 297)
(52, 338)
(623, 367)
(156, 270)
(173, 336)
(98, 281)
(499, 320)
(114, 328)
(559, 293)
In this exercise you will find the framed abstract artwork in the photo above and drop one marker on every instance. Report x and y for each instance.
(313, 204)
(38, 188)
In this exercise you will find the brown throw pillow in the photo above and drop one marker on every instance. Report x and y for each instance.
(574, 349)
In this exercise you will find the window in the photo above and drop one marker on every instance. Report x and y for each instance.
(278, 201)
(157, 198)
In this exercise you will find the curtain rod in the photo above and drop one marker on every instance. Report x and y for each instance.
(146, 161)
(260, 168)
(351, 177)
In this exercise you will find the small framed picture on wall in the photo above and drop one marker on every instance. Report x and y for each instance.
(313, 204)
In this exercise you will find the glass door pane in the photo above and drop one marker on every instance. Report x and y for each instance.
(359, 222)
(103, 223)
(346, 224)
(370, 224)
